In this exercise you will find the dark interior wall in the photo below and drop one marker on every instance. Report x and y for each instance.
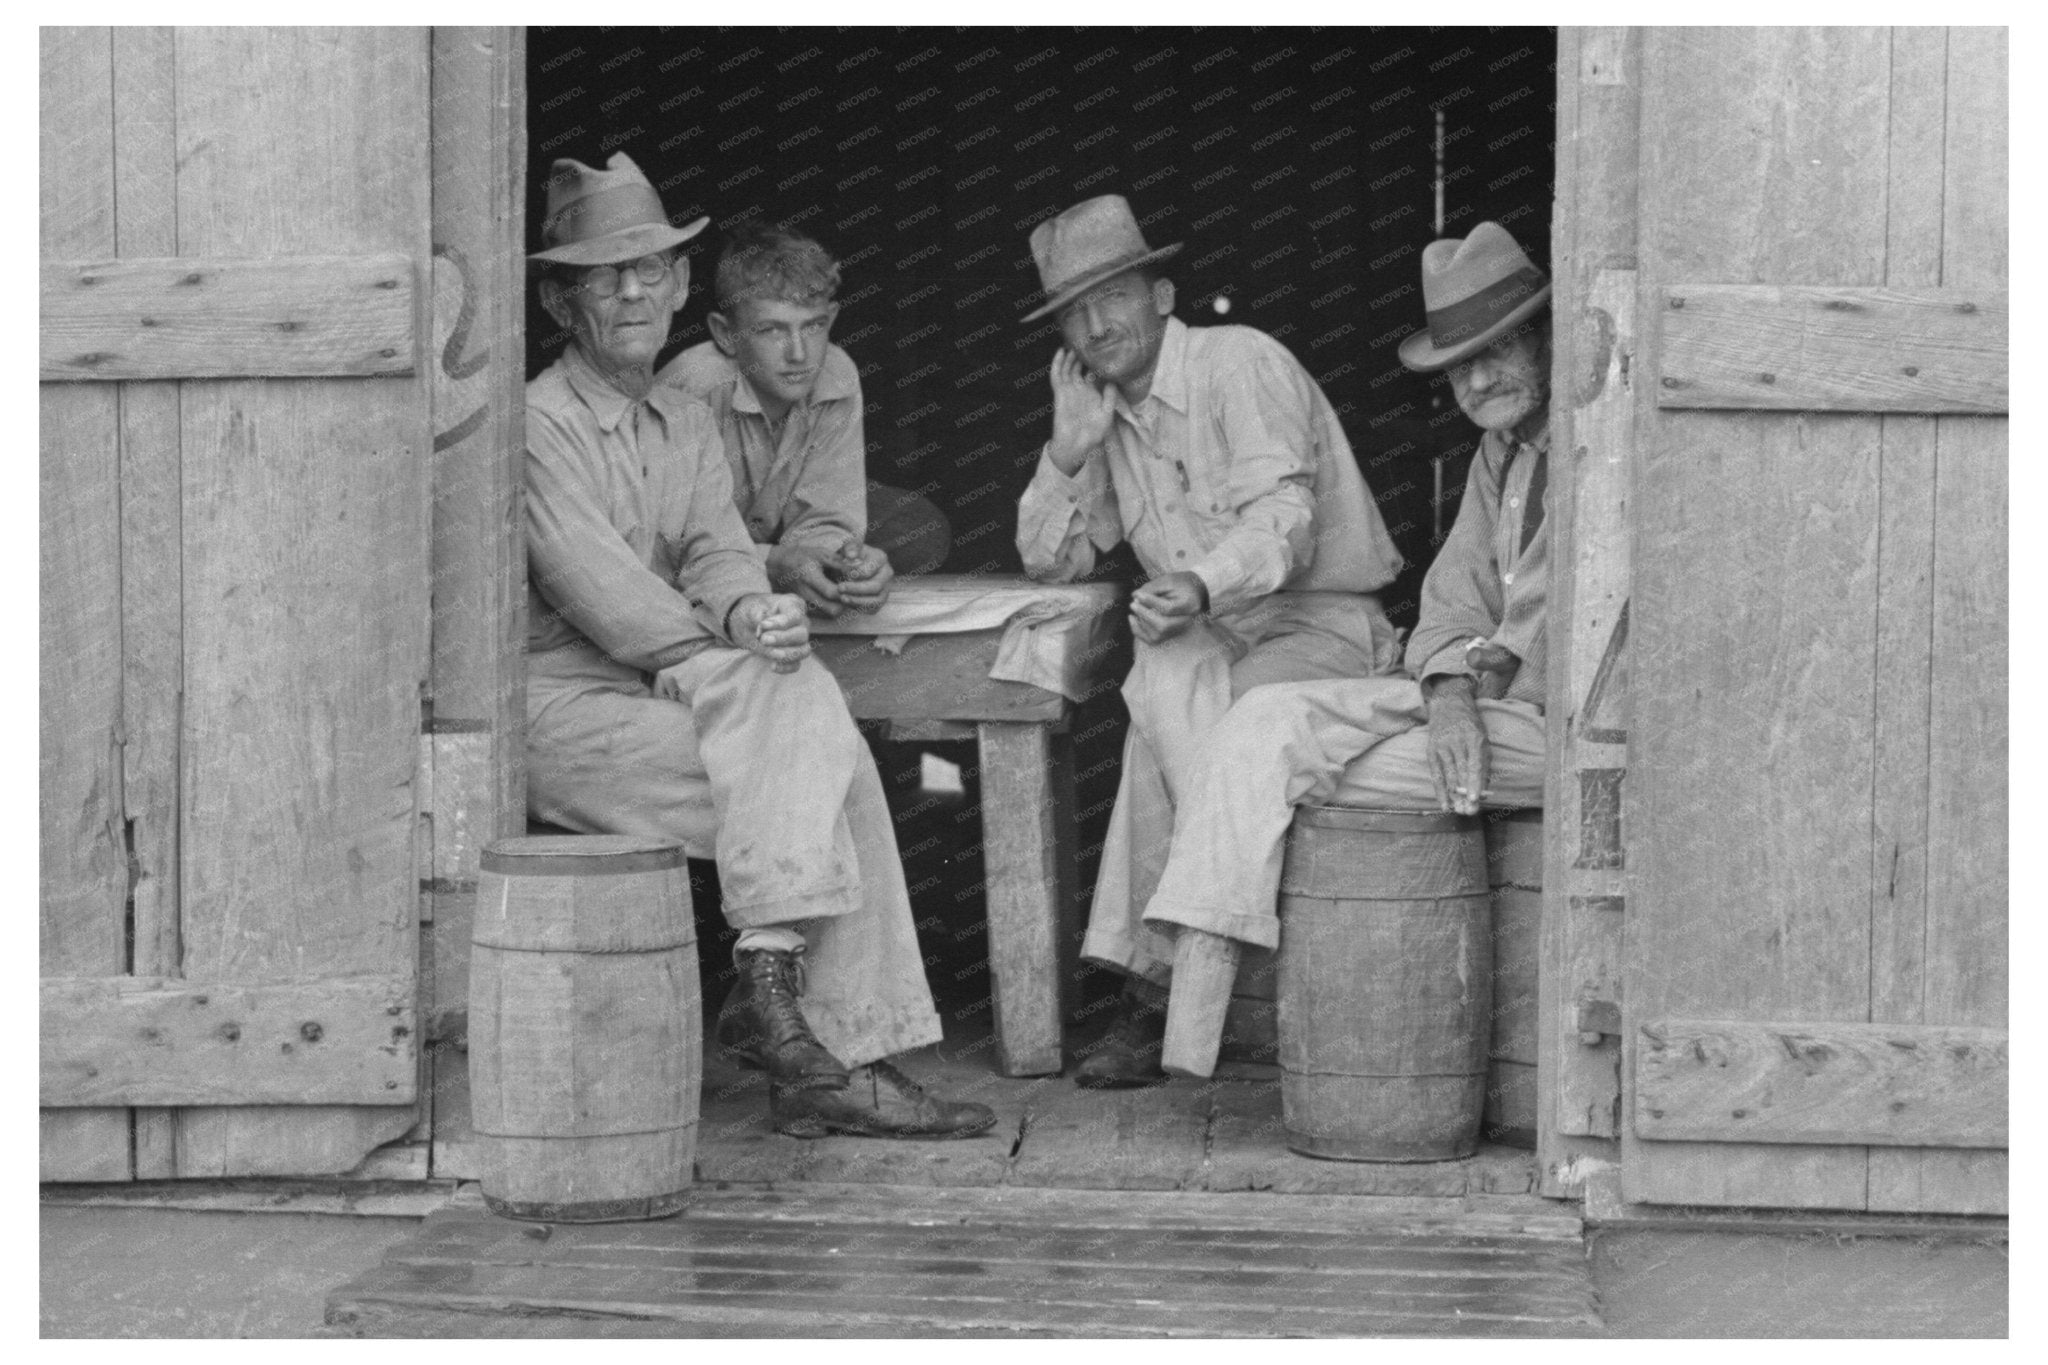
(1296, 164)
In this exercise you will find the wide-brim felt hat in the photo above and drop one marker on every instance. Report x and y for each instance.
(1474, 291)
(1084, 246)
(603, 217)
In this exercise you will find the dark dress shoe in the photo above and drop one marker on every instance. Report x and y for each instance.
(1127, 1054)
(879, 1101)
(762, 1025)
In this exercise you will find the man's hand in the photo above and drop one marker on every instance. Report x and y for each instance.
(803, 570)
(1164, 607)
(1082, 412)
(772, 626)
(1458, 757)
(864, 575)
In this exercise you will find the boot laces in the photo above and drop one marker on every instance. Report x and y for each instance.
(789, 974)
(779, 978)
(887, 1072)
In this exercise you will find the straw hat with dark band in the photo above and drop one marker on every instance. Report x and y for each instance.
(1474, 291)
(1084, 246)
(605, 217)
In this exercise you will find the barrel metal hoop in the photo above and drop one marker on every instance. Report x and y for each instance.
(513, 862)
(578, 950)
(575, 1136)
(1391, 821)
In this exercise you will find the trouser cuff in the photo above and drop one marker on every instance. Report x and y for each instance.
(785, 910)
(1260, 931)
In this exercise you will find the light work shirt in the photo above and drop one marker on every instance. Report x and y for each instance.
(632, 541)
(1233, 468)
(1484, 583)
(809, 484)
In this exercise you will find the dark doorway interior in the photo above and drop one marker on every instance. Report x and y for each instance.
(1298, 165)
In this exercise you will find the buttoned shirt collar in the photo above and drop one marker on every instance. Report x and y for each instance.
(604, 399)
(1169, 373)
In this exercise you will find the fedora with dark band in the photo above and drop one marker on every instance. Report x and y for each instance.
(1474, 291)
(604, 217)
(1084, 246)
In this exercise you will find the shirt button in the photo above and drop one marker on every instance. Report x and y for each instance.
(1180, 554)
(1514, 502)
(1507, 578)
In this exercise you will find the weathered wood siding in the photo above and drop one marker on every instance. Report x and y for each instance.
(1817, 754)
(1593, 266)
(235, 574)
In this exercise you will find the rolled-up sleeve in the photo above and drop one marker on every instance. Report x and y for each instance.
(1063, 521)
(1270, 482)
(1461, 593)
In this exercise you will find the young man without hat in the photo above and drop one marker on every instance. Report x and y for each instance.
(789, 410)
(1216, 455)
(1465, 730)
(670, 692)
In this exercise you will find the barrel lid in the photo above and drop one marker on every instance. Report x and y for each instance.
(1391, 821)
(537, 852)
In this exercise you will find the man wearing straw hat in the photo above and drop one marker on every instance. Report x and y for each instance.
(669, 692)
(1466, 730)
(1217, 456)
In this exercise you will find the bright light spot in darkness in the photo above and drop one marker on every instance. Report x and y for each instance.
(938, 775)
(1222, 305)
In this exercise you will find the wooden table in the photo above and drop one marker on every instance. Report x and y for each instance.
(938, 688)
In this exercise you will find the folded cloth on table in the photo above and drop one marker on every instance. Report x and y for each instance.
(1051, 632)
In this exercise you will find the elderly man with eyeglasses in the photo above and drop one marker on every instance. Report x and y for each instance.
(670, 693)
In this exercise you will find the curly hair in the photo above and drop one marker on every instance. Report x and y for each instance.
(768, 261)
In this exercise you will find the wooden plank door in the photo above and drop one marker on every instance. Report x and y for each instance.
(235, 585)
(1814, 991)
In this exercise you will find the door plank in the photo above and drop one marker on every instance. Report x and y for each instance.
(152, 548)
(1890, 1084)
(1750, 758)
(306, 569)
(81, 845)
(144, 1040)
(1832, 349)
(1963, 961)
(173, 317)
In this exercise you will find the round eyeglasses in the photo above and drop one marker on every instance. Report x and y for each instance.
(603, 280)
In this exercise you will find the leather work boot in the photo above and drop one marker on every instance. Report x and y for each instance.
(879, 1101)
(1127, 1055)
(762, 1025)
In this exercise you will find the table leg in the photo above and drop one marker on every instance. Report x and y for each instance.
(1026, 800)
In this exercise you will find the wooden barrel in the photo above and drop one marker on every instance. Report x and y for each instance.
(1514, 858)
(585, 1031)
(1386, 961)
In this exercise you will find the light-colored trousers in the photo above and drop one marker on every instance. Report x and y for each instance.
(766, 773)
(1178, 693)
(1349, 742)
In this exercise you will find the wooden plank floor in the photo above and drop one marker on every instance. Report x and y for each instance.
(831, 1259)
(1222, 1135)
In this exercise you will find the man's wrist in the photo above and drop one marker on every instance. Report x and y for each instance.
(1066, 457)
(1451, 684)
